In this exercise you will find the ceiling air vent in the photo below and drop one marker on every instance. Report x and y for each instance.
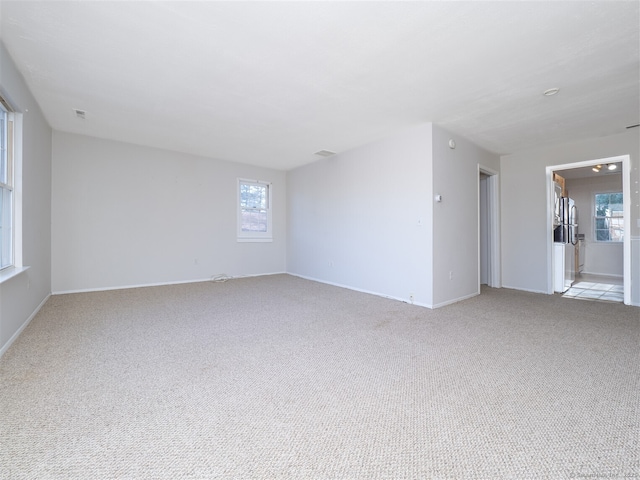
(634, 126)
(324, 153)
(81, 114)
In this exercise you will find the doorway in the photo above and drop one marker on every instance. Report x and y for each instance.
(489, 268)
(624, 160)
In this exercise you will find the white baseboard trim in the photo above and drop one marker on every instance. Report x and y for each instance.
(544, 292)
(13, 338)
(369, 292)
(456, 300)
(585, 272)
(160, 284)
(377, 294)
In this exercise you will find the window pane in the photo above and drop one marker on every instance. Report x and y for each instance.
(254, 220)
(5, 228)
(602, 235)
(609, 218)
(253, 196)
(616, 229)
(3, 147)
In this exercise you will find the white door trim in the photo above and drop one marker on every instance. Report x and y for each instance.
(626, 207)
(493, 214)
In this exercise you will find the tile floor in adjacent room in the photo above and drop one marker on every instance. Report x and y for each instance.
(596, 287)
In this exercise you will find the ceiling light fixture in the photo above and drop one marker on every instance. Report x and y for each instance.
(551, 92)
(610, 166)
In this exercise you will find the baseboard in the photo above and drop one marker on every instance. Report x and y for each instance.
(456, 300)
(13, 338)
(544, 292)
(161, 284)
(584, 272)
(369, 292)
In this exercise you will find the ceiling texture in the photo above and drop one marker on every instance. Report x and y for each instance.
(270, 83)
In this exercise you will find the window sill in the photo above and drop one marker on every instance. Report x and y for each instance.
(10, 272)
(254, 239)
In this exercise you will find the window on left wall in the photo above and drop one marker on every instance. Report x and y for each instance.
(6, 187)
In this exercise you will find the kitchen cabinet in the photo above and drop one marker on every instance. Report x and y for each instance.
(561, 181)
(564, 260)
(579, 261)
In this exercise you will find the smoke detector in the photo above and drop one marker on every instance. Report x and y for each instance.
(324, 153)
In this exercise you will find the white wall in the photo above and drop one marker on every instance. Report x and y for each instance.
(455, 219)
(362, 218)
(524, 206)
(125, 215)
(22, 295)
(367, 218)
(602, 258)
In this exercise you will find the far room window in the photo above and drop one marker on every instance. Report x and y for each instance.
(609, 218)
(254, 211)
(6, 186)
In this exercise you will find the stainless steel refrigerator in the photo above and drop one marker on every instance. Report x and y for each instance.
(565, 236)
(566, 221)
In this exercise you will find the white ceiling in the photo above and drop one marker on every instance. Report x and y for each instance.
(270, 83)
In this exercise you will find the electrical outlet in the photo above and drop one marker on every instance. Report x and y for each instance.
(411, 297)
(451, 275)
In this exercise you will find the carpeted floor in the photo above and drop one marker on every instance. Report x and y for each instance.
(282, 378)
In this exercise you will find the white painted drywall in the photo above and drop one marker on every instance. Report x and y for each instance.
(601, 258)
(524, 206)
(368, 219)
(21, 295)
(126, 215)
(362, 219)
(455, 219)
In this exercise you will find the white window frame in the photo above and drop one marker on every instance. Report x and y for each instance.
(7, 185)
(248, 236)
(596, 217)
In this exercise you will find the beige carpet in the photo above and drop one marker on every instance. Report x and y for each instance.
(282, 378)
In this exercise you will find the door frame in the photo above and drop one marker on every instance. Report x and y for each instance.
(494, 278)
(626, 213)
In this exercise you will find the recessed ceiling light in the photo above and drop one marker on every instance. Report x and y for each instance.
(597, 168)
(612, 166)
(551, 92)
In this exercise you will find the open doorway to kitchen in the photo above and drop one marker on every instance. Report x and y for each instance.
(588, 180)
(605, 288)
(488, 228)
